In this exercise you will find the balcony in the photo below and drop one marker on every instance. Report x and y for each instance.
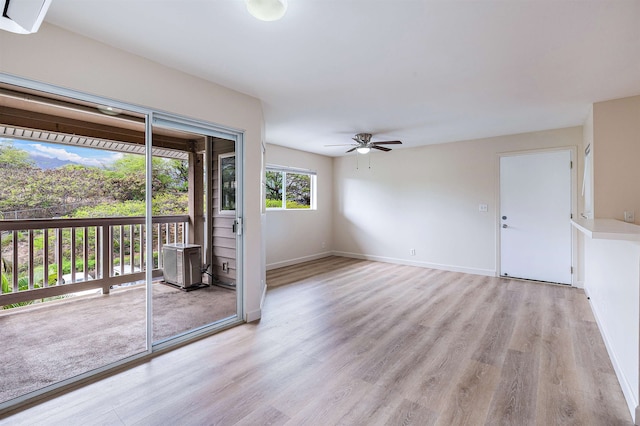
(71, 321)
(110, 250)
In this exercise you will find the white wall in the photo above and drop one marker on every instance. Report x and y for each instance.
(427, 199)
(612, 282)
(61, 58)
(616, 138)
(611, 269)
(294, 236)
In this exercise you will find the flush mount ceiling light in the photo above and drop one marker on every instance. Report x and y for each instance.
(267, 10)
(363, 150)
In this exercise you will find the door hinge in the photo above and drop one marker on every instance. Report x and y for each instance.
(572, 270)
(570, 215)
(571, 164)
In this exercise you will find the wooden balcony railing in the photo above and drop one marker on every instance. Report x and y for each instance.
(98, 253)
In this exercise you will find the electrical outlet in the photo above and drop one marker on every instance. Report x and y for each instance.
(412, 252)
(483, 208)
(225, 266)
(324, 244)
(629, 216)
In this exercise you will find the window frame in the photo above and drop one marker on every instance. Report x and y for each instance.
(284, 170)
(222, 210)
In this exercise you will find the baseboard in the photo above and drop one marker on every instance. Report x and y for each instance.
(452, 268)
(297, 260)
(257, 314)
(637, 419)
(253, 315)
(631, 401)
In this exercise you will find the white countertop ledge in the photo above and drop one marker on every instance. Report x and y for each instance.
(608, 229)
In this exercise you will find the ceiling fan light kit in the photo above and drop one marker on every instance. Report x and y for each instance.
(267, 10)
(364, 145)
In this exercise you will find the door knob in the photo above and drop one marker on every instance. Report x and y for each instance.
(504, 218)
(505, 226)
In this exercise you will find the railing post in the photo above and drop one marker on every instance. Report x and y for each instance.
(105, 255)
(31, 262)
(14, 261)
(45, 257)
(59, 253)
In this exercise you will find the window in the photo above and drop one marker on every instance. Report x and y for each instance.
(227, 182)
(288, 188)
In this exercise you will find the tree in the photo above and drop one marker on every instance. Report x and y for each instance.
(127, 177)
(14, 158)
(273, 183)
(37, 189)
(299, 188)
(179, 170)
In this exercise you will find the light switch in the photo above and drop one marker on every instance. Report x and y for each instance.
(483, 208)
(629, 216)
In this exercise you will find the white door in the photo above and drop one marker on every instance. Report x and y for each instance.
(535, 212)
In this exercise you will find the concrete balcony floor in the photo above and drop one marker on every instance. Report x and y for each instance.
(45, 343)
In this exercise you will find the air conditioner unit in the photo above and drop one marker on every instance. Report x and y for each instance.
(181, 264)
(23, 16)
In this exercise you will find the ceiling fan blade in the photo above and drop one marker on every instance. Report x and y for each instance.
(381, 148)
(352, 149)
(387, 143)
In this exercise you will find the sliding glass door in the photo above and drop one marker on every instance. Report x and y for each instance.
(72, 224)
(198, 288)
(119, 234)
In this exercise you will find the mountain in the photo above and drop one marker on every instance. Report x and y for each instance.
(50, 163)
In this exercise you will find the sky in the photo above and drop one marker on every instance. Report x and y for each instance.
(76, 154)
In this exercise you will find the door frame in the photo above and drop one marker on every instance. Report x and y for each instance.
(574, 203)
(236, 136)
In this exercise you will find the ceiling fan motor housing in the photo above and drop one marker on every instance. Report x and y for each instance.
(363, 138)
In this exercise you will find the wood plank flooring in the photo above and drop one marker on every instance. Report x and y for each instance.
(352, 342)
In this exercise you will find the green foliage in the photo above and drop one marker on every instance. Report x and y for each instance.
(5, 283)
(170, 203)
(121, 209)
(56, 192)
(33, 188)
(297, 190)
(274, 204)
(123, 187)
(84, 192)
(23, 284)
(162, 204)
(14, 158)
(126, 177)
(277, 204)
(295, 205)
(274, 186)
(179, 170)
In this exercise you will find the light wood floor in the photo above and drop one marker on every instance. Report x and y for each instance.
(352, 342)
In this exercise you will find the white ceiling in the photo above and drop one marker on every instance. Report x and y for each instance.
(420, 71)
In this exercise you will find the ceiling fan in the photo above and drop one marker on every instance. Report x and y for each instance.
(363, 144)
